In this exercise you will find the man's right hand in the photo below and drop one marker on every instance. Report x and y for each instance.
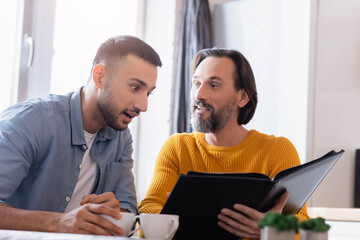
(87, 220)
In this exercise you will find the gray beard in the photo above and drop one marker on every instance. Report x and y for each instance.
(217, 120)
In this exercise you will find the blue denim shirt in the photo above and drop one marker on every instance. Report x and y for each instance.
(42, 144)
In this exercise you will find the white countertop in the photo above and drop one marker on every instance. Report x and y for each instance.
(344, 222)
(29, 235)
(340, 230)
(344, 230)
(336, 214)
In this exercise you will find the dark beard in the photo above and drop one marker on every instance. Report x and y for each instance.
(217, 120)
(109, 114)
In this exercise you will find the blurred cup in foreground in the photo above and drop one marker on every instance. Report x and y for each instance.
(126, 222)
(159, 226)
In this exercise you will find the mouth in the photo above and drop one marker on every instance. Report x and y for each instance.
(129, 116)
(201, 108)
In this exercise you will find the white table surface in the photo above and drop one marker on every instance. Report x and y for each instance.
(340, 230)
(344, 230)
(28, 235)
(344, 222)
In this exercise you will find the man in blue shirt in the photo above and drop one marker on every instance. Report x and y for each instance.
(66, 159)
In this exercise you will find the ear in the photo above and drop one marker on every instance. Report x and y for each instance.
(242, 98)
(98, 75)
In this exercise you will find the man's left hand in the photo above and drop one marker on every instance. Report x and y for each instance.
(243, 220)
(107, 199)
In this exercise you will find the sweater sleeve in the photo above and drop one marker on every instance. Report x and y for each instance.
(302, 215)
(284, 155)
(165, 176)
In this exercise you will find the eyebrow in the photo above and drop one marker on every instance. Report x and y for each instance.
(209, 78)
(142, 83)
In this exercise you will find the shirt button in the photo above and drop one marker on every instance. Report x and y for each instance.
(84, 147)
(67, 199)
(80, 166)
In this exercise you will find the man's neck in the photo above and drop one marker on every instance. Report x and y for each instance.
(231, 135)
(92, 121)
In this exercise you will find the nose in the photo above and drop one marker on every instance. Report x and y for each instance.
(199, 93)
(141, 103)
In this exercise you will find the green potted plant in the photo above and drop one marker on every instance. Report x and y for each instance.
(276, 226)
(314, 229)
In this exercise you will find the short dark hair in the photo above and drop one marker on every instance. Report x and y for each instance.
(120, 46)
(243, 77)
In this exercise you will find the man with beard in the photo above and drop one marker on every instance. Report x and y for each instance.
(66, 159)
(223, 99)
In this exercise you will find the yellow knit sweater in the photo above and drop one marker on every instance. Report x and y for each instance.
(183, 152)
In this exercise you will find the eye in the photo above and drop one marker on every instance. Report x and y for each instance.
(214, 85)
(196, 83)
(134, 87)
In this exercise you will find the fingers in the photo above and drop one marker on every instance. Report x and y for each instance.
(99, 225)
(280, 204)
(90, 228)
(99, 199)
(86, 199)
(242, 223)
(96, 224)
(242, 233)
(249, 212)
(99, 209)
(244, 220)
(107, 199)
(87, 219)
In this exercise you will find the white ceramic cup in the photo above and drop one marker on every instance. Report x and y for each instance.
(159, 226)
(126, 222)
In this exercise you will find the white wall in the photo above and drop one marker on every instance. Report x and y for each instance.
(153, 126)
(318, 119)
(334, 115)
(8, 48)
(274, 37)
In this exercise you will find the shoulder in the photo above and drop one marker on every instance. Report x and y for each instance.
(182, 138)
(21, 113)
(178, 141)
(37, 105)
(278, 147)
(57, 103)
(34, 113)
(280, 143)
(281, 153)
